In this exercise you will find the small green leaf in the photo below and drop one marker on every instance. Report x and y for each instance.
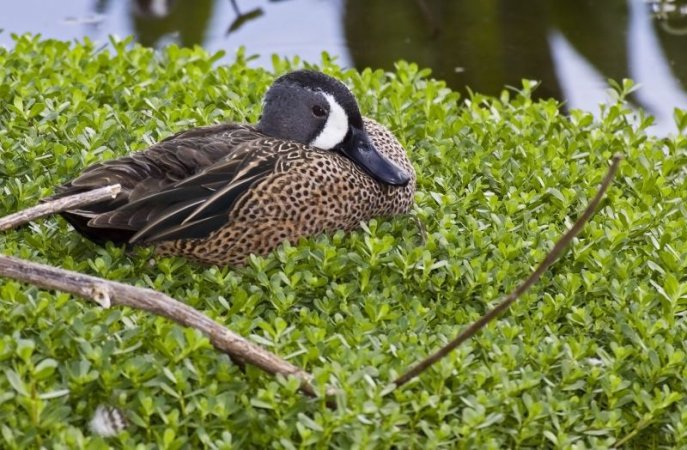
(16, 382)
(25, 349)
(45, 368)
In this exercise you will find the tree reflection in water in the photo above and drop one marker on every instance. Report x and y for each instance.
(488, 45)
(572, 46)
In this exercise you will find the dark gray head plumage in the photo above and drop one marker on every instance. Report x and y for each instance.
(318, 110)
(297, 107)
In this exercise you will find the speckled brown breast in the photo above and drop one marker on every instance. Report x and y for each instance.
(310, 191)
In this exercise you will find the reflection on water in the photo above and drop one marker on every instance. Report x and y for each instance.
(481, 44)
(187, 20)
(650, 65)
(572, 46)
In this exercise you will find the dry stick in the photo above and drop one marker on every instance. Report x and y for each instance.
(533, 278)
(59, 205)
(107, 293)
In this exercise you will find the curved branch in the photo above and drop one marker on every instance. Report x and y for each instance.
(550, 258)
(112, 293)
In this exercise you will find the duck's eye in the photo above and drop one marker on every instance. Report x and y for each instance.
(319, 111)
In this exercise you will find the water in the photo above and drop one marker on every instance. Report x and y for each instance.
(572, 46)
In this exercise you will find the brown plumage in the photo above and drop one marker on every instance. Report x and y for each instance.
(217, 194)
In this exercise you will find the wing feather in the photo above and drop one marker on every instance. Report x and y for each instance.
(193, 230)
(154, 171)
(215, 204)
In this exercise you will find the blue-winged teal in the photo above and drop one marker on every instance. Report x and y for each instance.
(216, 194)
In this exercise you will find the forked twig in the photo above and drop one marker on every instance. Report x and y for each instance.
(108, 293)
(524, 286)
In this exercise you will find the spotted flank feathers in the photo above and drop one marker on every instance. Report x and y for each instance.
(217, 194)
(107, 421)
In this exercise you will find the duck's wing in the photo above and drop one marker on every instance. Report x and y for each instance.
(197, 205)
(151, 171)
(163, 164)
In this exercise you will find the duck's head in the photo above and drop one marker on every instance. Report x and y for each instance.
(315, 109)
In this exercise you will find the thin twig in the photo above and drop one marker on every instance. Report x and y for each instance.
(108, 293)
(524, 286)
(59, 205)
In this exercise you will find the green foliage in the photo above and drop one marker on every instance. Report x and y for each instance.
(593, 354)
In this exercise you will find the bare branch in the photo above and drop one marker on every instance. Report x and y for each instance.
(108, 293)
(59, 205)
(112, 293)
(524, 286)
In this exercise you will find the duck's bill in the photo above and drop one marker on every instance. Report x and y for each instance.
(361, 151)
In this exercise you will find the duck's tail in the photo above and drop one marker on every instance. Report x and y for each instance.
(79, 218)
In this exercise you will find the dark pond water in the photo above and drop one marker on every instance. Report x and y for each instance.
(572, 46)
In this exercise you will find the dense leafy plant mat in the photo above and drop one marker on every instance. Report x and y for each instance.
(593, 355)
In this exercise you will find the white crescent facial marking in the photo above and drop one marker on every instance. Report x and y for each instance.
(336, 127)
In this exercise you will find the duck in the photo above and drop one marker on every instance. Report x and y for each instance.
(217, 194)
